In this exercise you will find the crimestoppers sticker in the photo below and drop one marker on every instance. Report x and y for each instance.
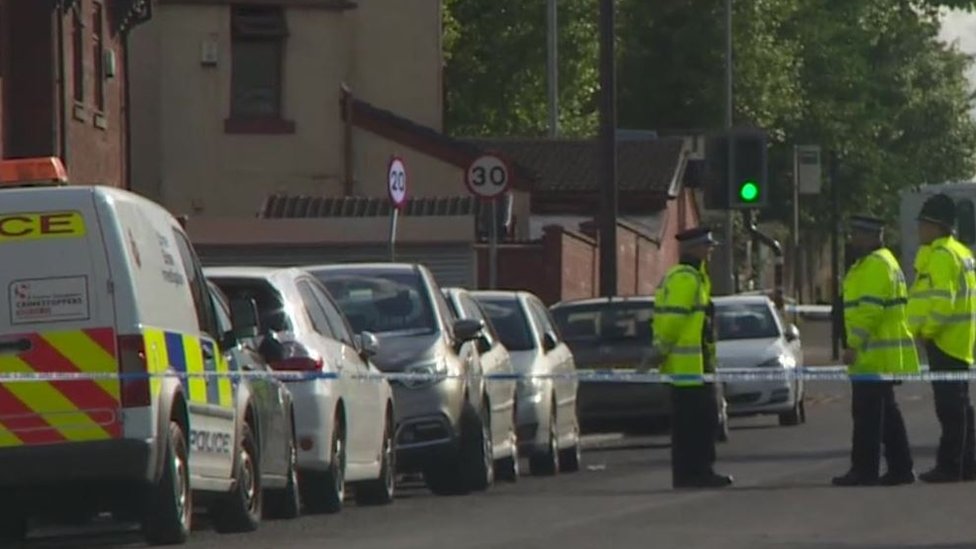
(57, 299)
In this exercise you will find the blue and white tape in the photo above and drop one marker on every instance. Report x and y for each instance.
(815, 373)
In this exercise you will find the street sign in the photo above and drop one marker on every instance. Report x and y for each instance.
(397, 182)
(808, 168)
(488, 177)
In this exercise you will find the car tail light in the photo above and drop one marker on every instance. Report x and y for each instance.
(298, 364)
(132, 362)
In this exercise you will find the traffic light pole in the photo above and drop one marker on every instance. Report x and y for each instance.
(731, 280)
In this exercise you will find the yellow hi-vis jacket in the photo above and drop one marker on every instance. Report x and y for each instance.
(876, 317)
(679, 320)
(942, 301)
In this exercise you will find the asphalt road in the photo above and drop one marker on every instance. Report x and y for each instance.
(782, 498)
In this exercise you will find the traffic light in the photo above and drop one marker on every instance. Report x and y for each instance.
(747, 188)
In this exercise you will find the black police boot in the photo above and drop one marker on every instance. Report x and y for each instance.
(709, 480)
(940, 476)
(896, 478)
(852, 478)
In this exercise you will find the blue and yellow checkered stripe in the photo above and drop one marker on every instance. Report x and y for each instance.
(183, 354)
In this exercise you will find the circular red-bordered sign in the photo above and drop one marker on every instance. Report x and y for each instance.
(396, 182)
(488, 176)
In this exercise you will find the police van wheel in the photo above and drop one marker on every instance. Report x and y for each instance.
(170, 506)
(286, 503)
(380, 491)
(240, 510)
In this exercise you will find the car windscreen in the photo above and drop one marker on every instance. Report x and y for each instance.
(271, 307)
(510, 322)
(593, 323)
(745, 321)
(382, 302)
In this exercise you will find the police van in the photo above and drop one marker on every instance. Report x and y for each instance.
(104, 346)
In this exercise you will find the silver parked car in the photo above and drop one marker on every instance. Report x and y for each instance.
(752, 335)
(548, 428)
(443, 426)
(344, 426)
(488, 356)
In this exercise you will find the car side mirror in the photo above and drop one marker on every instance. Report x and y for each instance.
(244, 316)
(467, 329)
(484, 344)
(368, 344)
(549, 342)
(792, 333)
(228, 340)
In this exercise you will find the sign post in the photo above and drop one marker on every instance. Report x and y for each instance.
(488, 178)
(806, 181)
(396, 185)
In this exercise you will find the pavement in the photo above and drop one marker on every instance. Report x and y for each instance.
(623, 498)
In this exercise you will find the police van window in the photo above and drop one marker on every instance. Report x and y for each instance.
(315, 312)
(221, 310)
(336, 321)
(197, 285)
(966, 221)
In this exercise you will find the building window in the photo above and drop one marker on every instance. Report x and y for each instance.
(98, 58)
(257, 51)
(77, 55)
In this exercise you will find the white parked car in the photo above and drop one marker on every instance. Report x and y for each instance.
(492, 359)
(751, 335)
(548, 428)
(345, 426)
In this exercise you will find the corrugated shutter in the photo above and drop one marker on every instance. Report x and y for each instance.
(452, 264)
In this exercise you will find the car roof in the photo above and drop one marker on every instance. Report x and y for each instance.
(742, 299)
(249, 272)
(499, 294)
(362, 267)
(605, 300)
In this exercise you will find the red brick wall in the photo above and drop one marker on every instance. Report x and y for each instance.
(30, 110)
(565, 264)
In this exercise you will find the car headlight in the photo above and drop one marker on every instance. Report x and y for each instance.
(434, 371)
(781, 361)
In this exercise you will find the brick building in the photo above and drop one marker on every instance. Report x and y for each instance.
(63, 83)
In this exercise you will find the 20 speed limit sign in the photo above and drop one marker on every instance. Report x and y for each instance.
(397, 182)
(488, 176)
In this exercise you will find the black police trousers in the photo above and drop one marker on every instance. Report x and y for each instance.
(694, 424)
(957, 446)
(878, 420)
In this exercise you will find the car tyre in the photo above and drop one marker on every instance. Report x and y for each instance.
(571, 458)
(169, 509)
(381, 491)
(325, 492)
(286, 503)
(508, 468)
(546, 462)
(795, 416)
(240, 511)
(477, 459)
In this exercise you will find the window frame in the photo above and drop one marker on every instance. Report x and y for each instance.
(274, 34)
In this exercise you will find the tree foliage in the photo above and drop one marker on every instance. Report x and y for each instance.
(869, 79)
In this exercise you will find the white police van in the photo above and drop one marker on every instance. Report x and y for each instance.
(101, 282)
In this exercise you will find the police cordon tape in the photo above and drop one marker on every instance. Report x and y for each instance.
(814, 373)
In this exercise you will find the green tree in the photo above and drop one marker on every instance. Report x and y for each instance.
(495, 75)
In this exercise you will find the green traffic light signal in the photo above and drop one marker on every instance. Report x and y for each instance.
(749, 191)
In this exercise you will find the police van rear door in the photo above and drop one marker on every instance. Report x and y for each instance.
(59, 320)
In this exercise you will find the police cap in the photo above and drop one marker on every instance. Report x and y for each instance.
(939, 209)
(867, 224)
(696, 236)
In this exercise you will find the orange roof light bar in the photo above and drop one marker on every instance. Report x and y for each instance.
(32, 171)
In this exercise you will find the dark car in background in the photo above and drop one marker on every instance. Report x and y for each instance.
(614, 335)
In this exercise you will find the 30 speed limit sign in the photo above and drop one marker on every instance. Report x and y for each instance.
(488, 176)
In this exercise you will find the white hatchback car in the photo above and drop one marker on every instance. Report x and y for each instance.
(751, 334)
(345, 426)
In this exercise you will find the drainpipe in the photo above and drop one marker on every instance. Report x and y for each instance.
(61, 126)
(777, 249)
(126, 115)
